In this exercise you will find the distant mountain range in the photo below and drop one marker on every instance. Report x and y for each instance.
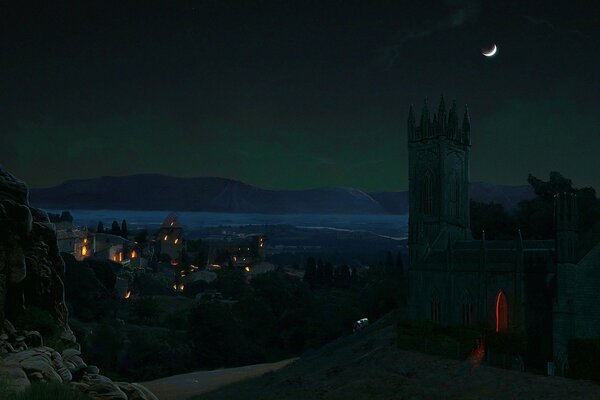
(159, 192)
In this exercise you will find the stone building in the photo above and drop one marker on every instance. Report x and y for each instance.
(544, 289)
(242, 251)
(170, 240)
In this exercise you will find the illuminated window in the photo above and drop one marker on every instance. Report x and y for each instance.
(176, 240)
(501, 313)
(166, 236)
(84, 251)
(120, 256)
(133, 254)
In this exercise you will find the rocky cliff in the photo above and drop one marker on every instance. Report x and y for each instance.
(32, 275)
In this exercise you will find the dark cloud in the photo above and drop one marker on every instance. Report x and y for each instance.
(456, 13)
(547, 24)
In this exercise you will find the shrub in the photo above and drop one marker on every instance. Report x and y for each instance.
(583, 359)
(145, 309)
(35, 319)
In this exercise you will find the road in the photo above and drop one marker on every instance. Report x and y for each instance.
(182, 387)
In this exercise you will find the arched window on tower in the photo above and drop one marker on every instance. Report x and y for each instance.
(427, 193)
(501, 312)
(454, 195)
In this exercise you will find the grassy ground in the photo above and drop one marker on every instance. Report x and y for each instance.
(44, 391)
(369, 365)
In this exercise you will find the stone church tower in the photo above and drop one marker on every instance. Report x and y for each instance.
(438, 153)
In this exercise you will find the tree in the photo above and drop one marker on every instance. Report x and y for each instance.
(310, 273)
(100, 228)
(146, 309)
(342, 276)
(141, 236)
(231, 282)
(115, 228)
(399, 264)
(66, 216)
(354, 275)
(327, 275)
(124, 232)
(389, 263)
(320, 271)
(493, 219)
(535, 216)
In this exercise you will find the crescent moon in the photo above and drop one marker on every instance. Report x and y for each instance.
(490, 52)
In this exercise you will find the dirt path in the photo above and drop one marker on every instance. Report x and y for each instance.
(182, 387)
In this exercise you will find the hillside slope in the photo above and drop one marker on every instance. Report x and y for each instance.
(159, 192)
(368, 365)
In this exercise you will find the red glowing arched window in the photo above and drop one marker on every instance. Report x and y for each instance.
(501, 312)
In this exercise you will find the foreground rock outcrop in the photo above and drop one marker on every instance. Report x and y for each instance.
(32, 275)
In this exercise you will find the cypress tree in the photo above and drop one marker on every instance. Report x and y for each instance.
(124, 232)
(100, 228)
(115, 229)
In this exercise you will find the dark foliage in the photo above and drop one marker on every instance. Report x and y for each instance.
(115, 228)
(493, 219)
(124, 231)
(65, 216)
(89, 288)
(310, 273)
(141, 236)
(231, 282)
(534, 217)
(583, 359)
(399, 263)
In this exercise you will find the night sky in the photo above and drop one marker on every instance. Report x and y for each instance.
(295, 94)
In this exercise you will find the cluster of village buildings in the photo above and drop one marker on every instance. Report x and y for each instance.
(168, 244)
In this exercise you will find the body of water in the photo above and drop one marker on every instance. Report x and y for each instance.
(395, 226)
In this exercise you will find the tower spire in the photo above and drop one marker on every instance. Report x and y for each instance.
(411, 123)
(441, 120)
(453, 123)
(425, 122)
(466, 127)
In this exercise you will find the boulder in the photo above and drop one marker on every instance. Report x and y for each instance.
(31, 275)
(135, 391)
(33, 338)
(92, 369)
(14, 377)
(102, 388)
(12, 188)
